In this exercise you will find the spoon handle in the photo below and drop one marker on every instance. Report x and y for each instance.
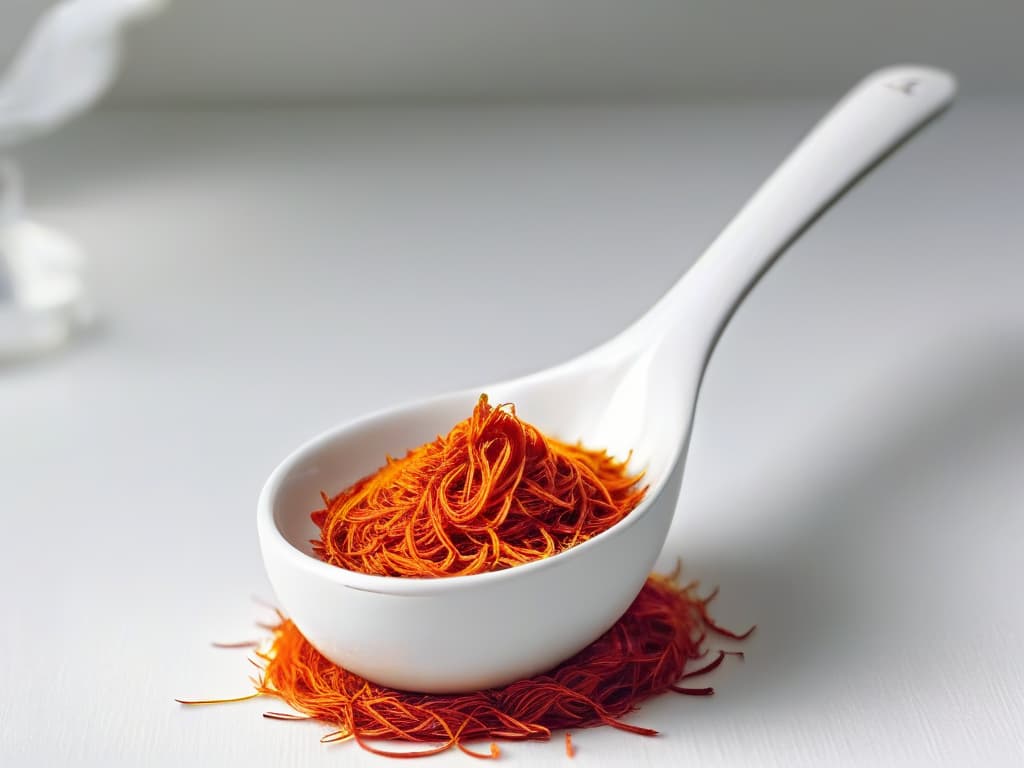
(872, 120)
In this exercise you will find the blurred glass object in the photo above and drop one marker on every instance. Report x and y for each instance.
(43, 299)
(68, 61)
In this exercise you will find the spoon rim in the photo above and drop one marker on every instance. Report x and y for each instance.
(270, 534)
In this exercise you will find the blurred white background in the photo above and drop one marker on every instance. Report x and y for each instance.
(301, 211)
(316, 51)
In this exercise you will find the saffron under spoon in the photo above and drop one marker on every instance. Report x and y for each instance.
(635, 392)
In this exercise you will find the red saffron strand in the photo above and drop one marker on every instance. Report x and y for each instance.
(728, 633)
(707, 667)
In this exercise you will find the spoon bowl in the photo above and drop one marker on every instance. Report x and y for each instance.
(636, 392)
(466, 632)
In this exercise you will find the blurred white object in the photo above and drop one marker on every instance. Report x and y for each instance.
(70, 58)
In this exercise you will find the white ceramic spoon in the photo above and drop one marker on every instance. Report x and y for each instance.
(637, 391)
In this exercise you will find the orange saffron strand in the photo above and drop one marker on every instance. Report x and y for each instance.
(197, 702)
(570, 750)
(491, 494)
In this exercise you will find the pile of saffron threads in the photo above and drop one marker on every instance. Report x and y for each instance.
(491, 494)
(657, 645)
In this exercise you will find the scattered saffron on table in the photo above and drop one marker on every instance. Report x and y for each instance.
(491, 494)
(660, 642)
(570, 750)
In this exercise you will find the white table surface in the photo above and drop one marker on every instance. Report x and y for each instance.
(855, 478)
